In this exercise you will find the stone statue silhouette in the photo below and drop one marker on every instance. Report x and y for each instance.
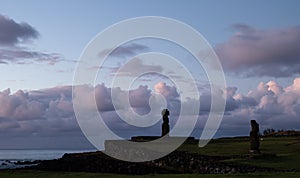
(254, 137)
(165, 128)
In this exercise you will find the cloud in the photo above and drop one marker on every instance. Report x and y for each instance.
(139, 98)
(48, 113)
(169, 92)
(136, 67)
(255, 52)
(19, 106)
(22, 55)
(271, 104)
(14, 38)
(7, 124)
(124, 50)
(13, 33)
(39, 119)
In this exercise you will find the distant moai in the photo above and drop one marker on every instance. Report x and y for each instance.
(165, 128)
(254, 137)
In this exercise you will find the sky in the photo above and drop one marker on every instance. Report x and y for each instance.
(257, 42)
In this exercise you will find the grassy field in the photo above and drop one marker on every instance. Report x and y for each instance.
(280, 153)
(277, 152)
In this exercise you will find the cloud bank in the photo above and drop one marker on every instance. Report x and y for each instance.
(48, 113)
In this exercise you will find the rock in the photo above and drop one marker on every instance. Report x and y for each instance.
(174, 163)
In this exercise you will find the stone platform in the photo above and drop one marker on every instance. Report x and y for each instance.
(143, 148)
(190, 140)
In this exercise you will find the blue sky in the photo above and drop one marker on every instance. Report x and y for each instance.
(65, 27)
(60, 30)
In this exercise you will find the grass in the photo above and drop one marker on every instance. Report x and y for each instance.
(220, 147)
(48, 174)
(277, 152)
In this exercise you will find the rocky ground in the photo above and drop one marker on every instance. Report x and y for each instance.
(176, 162)
(8, 164)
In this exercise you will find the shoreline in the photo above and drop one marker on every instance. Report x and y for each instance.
(187, 159)
(9, 164)
(21, 158)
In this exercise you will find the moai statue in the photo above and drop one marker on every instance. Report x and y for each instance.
(254, 137)
(165, 128)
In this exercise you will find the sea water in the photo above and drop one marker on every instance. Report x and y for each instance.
(8, 158)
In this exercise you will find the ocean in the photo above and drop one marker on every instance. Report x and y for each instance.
(10, 158)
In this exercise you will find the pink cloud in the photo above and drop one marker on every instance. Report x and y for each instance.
(49, 112)
(165, 90)
(256, 52)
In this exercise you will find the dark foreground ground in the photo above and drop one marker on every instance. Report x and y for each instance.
(227, 157)
(50, 174)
